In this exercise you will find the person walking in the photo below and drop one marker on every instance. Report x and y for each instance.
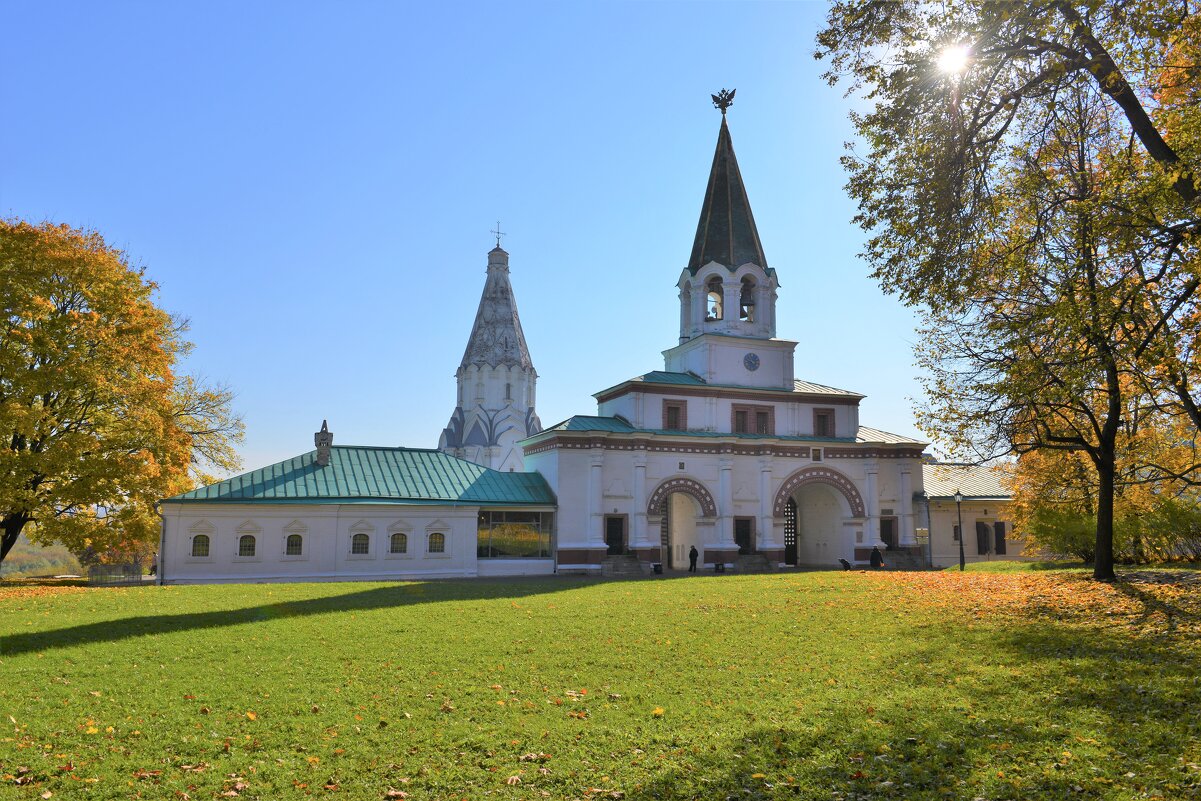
(877, 558)
(693, 553)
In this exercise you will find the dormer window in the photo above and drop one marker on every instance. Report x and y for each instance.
(713, 298)
(823, 422)
(746, 300)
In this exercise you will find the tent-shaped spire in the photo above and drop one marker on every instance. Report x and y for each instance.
(496, 338)
(726, 232)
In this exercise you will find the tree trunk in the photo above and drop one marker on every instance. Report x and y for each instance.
(10, 528)
(1103, 561)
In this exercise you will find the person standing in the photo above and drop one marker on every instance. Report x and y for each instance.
(877, 558)
(693, 553)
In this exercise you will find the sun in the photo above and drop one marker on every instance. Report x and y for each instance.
(953, 60)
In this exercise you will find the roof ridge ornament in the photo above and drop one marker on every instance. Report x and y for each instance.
(723, 100)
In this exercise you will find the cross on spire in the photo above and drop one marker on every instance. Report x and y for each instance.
(498, 233)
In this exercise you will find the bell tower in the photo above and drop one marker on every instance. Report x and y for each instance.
(496, 380)
(727, 291)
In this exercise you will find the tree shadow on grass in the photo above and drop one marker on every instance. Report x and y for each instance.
(398, 595)
(1113, 721)
(1046, 710)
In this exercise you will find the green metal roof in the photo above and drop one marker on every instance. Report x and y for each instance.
(376, 475)
(726, 232)
(692, 380)
(976, 482)
(664, 377)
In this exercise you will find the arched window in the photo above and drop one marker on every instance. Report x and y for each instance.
(294, 545)
(399, 543)
(360, 543)
(200, 545)
(246, 545)
(437, 543)
(746, 300)
(713, 298)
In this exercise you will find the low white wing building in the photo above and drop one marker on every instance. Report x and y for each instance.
(339, 513)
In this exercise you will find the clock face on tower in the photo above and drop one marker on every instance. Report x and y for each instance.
(751, 361)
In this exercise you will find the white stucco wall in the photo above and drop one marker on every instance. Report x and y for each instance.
(944, 518)
(327, 530)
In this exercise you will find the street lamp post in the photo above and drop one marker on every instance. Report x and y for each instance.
(929, 532)
(959, 509)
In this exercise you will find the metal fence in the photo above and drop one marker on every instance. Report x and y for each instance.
(115, 574)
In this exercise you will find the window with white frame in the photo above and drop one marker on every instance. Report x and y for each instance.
(200, 546)
(360, 543)
(398, 542)
(437, 543)
(294, 546)
(246, 545)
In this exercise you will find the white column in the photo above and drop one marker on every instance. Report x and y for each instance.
(699, 306)
(731, 293)
(685, 313)
(766, 529)
(906, 501)
(725, 502)
(596, 489)
(871, 536)
(638, 536)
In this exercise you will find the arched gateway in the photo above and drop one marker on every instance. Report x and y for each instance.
(818, 475)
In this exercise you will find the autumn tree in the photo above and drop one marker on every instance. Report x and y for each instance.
(96, 425)
(1027, 200)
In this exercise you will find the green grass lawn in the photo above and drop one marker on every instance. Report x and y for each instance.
(812, 685)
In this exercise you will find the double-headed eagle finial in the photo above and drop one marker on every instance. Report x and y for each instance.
(723, 100)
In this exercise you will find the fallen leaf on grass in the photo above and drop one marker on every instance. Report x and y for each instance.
(513, 780)
(396, 794)
(539, 757)
(658, 711)
(146, 774)
(252, 716)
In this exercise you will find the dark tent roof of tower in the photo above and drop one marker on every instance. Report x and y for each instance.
(726, 232)
(496, 338)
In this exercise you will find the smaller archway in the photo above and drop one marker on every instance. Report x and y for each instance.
(683, 510)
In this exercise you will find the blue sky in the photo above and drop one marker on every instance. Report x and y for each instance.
(313, 186)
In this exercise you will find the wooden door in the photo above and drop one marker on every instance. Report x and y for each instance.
(615, 534)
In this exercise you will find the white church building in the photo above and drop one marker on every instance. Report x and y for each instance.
(725, 449)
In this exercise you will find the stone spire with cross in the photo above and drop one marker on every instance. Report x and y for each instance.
(496, 378)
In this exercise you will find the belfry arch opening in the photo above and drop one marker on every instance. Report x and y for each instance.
(746, 300)
(713, 298)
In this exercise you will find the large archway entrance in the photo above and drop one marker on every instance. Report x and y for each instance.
(684, 512)
(821, 510)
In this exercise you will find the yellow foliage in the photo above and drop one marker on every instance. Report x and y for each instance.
(95, 420)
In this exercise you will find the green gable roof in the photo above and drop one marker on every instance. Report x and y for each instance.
(376, 475)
